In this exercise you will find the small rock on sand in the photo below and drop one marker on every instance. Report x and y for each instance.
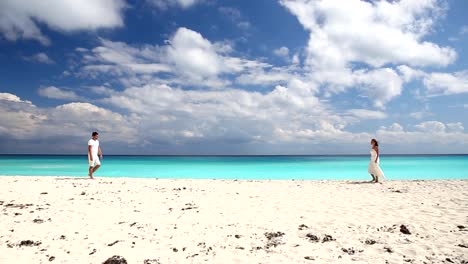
(404, 230)
(115, 260)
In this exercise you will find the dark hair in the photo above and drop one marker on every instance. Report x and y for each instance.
(375, 141)
(95, 133)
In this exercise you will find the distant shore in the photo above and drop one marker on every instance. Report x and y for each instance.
(77, 220)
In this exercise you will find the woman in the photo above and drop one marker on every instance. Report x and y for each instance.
(374, 167)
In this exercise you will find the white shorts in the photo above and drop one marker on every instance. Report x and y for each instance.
(94, 162)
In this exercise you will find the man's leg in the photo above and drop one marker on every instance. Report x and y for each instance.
(91, 170)
(96, 168)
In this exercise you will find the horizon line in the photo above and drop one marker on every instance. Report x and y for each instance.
(239, 155)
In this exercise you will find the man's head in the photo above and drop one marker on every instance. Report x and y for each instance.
(95, 135)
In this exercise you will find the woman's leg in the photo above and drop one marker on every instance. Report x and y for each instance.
(373, 178)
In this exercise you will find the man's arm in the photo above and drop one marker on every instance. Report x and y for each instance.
(100, 151)
(89, 153)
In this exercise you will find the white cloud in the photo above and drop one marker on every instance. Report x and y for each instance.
(430, 135)
(20, 18)
(57, 93)
(159, 115)
(395, 127)
(12, 98)
(229, 114)
(296, 59)
(188, 58)
(381, 85)
(455, 127)
(431, 127)
(356, 44)
(447, 83)
(348, 31)
(367, 114)
(25, 121)
(165, 4)
(282, 52)
(193, 55)
(409, 74)
(40, 57)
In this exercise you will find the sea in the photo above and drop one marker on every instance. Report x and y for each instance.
(352, 167)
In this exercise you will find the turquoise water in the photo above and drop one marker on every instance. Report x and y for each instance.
(241, 167)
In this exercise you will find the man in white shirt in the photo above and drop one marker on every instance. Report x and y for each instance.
(93, 151)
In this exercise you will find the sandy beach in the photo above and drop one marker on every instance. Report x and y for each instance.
(71, 220)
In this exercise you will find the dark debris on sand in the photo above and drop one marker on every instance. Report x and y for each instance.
(351, 251)
(20, 206)
(29, 243)
(115, 260)
(151, 261)
(404, 230)
(313, 238)
(274, 239)
(113, 243)
(370, 242)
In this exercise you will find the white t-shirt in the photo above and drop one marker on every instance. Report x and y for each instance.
(94, 147)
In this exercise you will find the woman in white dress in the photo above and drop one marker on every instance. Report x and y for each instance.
(374, 168)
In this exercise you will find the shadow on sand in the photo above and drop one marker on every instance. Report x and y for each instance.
(361, 182)
(73, 178)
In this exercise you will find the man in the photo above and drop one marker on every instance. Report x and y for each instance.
(93, 150)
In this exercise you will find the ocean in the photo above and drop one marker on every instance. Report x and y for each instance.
(396, 167)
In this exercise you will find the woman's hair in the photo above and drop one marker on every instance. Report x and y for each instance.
(376, 143)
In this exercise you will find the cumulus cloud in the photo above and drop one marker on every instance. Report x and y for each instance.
(428, 136)
(455, 127)
(57, 93)
(431, 127)
(12, 98)
(20, 19)
(161, 115)
(357, 43)
(282, 52)
(72, 121)
(188, 58)
(447, 83)
(343, 32)
(40, 57)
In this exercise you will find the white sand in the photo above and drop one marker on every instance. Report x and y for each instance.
(152, 219)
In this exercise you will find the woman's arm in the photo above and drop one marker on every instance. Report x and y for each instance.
(377, 150)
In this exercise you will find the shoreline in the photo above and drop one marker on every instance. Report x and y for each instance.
(357, 181)
(70, 220)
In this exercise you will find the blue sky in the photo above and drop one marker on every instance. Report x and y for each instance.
(234, 77)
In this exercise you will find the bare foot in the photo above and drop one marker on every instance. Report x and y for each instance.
(90, 176)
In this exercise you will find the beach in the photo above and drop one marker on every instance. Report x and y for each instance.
(77, 220)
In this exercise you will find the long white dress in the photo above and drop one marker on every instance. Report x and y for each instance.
(374, 167)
